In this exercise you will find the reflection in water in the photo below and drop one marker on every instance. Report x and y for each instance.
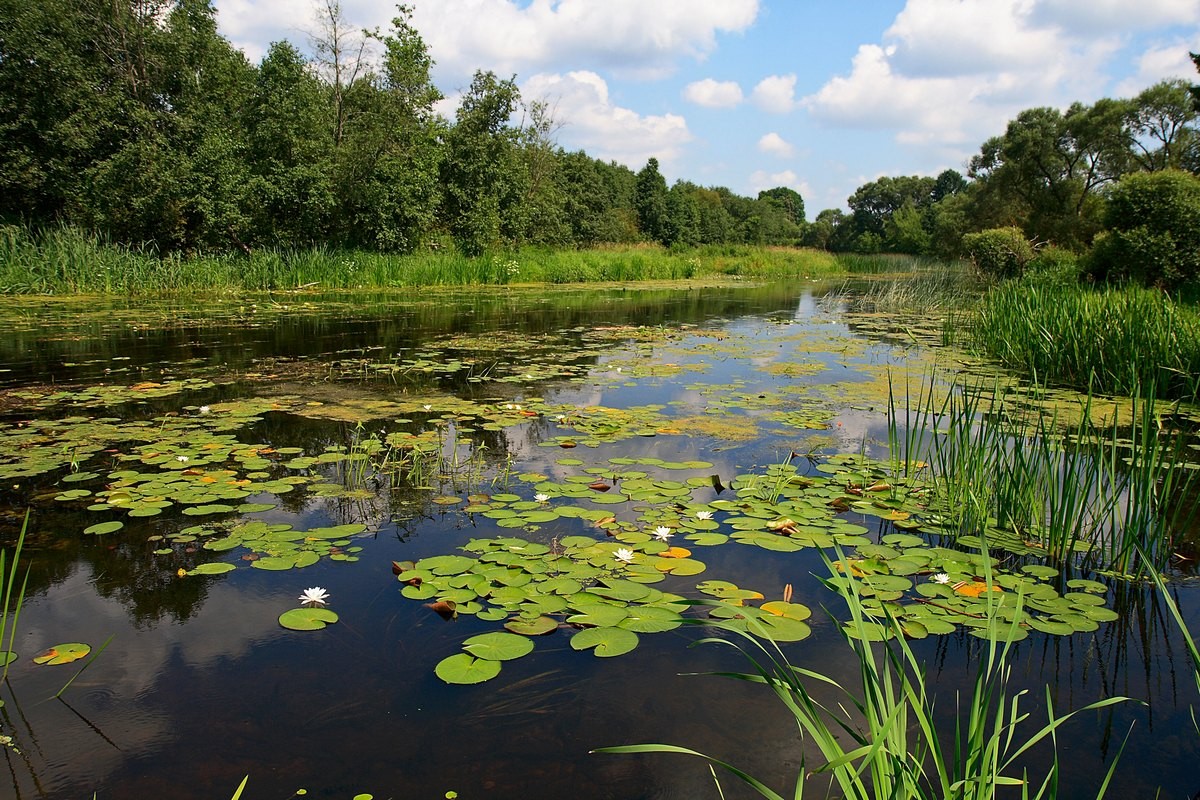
(201, 685)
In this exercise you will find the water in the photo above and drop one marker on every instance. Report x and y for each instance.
(200, 685)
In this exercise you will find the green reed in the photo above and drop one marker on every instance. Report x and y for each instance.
(1112, 340)
(12, 604)
(1094, 494)
(881, 737)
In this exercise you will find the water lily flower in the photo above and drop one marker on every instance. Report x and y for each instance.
(703, 515)
(624, 555)
(314, 596)
(541, 497)
(204, 409)
(181, 459)
(941, 577)
(427, 406)
(662, 533)
(559, 417)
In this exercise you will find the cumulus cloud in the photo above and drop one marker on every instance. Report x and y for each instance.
(1159, 63)
(592, 122)
(628, 37)
(713, 94)
(775, 145)
(1114, 16)
(776, 93)
(950, 73)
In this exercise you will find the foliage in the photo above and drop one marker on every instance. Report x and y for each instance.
(881, 737)
(1154, 231)
(998, 252)
(1113, 340)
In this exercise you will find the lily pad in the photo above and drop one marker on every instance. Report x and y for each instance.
(63, 653)
(307, 619)
(498, 646)
(465, 669)
(607, 642)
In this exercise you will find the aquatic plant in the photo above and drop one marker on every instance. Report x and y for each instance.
(12, 604)
(881, 738)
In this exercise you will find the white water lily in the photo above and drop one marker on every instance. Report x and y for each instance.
(541, 498)
(559, 417)
(316, 596)
(427, 407)
(662, 533)
(703, 515)
(624, 555)
(181, 459)
(941, 577)
(204, 409)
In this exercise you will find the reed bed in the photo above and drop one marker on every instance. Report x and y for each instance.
(1111, 340)
(1107, 495)
(70, 261)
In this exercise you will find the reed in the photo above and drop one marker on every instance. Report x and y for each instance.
(12, 603)
(1105, 496)
(1111, 340)
(882, 737)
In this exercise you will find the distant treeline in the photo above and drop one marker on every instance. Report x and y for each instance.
(136, 121)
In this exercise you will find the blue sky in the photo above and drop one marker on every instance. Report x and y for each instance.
(817, 95)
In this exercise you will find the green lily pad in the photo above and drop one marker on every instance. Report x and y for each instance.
(307, 619)
(607, 642)
(498, 646)
(465, 669)
(215, 568)
(531, 627)
(104, 527)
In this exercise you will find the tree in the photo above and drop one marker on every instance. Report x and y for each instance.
(787, 201)
(650, 202)
(479, 172)
(1160, 121)
(341, 52)
(1153, 236)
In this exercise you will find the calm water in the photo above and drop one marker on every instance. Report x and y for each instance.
(200, 685)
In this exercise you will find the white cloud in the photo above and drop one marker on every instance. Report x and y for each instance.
(776, 93)
(950, 73)
(761, 179)
(1159, 63)
(1115, 16)
(592, 122)
(774, 144)
(713, 94)
(628, 37)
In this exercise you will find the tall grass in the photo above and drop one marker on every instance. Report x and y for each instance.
(12, 603)
(1106, 495)
(882, 738)
(1113, 340)
(70, 261)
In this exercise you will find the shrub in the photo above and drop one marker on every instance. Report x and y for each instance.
(1053, 266)
(999, 252)
(1153, 237)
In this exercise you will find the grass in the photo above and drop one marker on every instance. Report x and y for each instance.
(881, 738)
(1110, 340)
(1106, 496)
(70, 261)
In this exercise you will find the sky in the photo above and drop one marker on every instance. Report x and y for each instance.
(817, 95)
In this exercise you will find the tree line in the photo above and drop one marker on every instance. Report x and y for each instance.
(137, 120)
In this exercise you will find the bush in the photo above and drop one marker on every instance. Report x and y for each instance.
(999, 252)
(1153, 237)
(1053, 266)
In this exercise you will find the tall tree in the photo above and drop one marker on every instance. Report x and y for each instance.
(650, 201)
(479, 174)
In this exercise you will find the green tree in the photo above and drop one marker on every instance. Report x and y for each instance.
(788, 201)
(479, 172)
(1161, 122)
(682, 225)
(1153, 236)
(650, 202)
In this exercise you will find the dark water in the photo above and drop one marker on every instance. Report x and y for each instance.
(200, 685)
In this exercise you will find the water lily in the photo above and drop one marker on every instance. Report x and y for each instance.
(624, 555)
(181, 459)
(427, 406)
(941, 577)
(704, 515)
(662, 533)
(541, 497)
(204, 409)
(559, 417)
(314, 596)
